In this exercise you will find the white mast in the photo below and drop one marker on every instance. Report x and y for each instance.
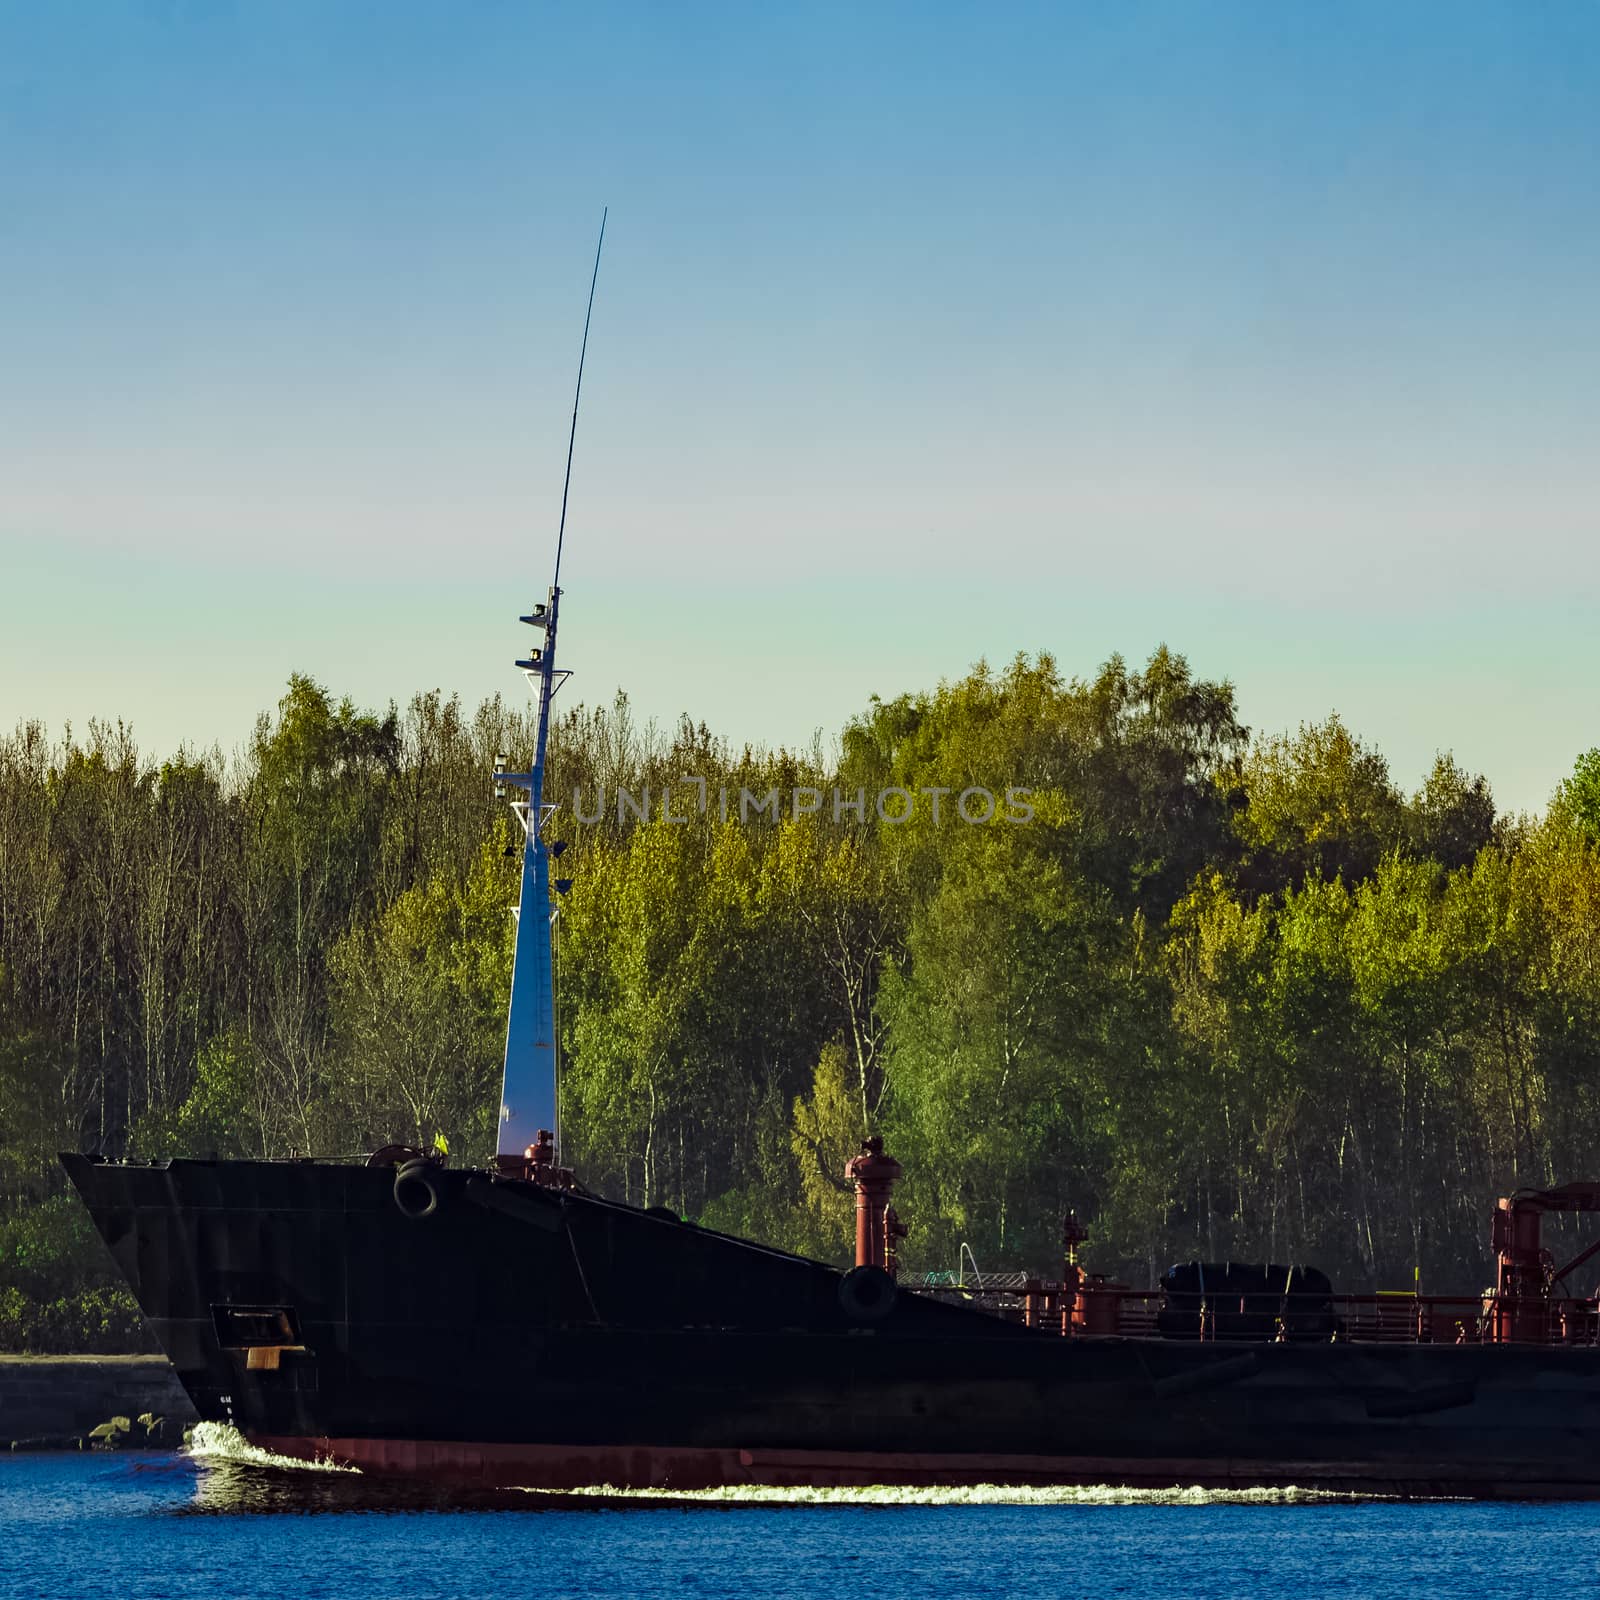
(528, 1096)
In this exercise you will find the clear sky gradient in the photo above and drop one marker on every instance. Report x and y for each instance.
(924, 333)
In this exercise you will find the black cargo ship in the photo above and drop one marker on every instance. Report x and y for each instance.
(506, 1326)
(512, 1331)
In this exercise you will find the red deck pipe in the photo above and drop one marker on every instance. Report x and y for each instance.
(874, 1174)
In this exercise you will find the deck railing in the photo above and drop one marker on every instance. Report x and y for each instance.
(1112, 1311)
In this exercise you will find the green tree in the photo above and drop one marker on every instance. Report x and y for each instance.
(1319, 804)
(419, 1001)
(1578, 798)
(998, 1026)
(1451, 818)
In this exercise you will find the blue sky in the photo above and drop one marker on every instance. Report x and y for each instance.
(924, 333)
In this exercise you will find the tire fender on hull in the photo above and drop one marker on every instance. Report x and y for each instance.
(866, 1295)
(415, 1192)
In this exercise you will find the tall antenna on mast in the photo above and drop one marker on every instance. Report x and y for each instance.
(577, 394)
(529, 1138)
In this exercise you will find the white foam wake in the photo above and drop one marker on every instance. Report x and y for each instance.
(216, 1441)
(983, 1494)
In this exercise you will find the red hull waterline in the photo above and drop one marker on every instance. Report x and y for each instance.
(632, 1467)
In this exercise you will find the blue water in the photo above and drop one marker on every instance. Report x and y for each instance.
(175, 1526)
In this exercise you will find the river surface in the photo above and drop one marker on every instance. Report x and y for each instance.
(227, 1522)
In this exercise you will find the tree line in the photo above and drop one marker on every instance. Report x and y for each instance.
(1226, 997)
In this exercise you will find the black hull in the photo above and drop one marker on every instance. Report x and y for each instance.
(521, 1336)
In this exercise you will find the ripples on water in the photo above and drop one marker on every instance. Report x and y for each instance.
(231, 1520)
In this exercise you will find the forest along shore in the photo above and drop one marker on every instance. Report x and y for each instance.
(76, 1402)
(1227, 996)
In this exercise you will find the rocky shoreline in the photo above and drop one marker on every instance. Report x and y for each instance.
(91, 1403)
